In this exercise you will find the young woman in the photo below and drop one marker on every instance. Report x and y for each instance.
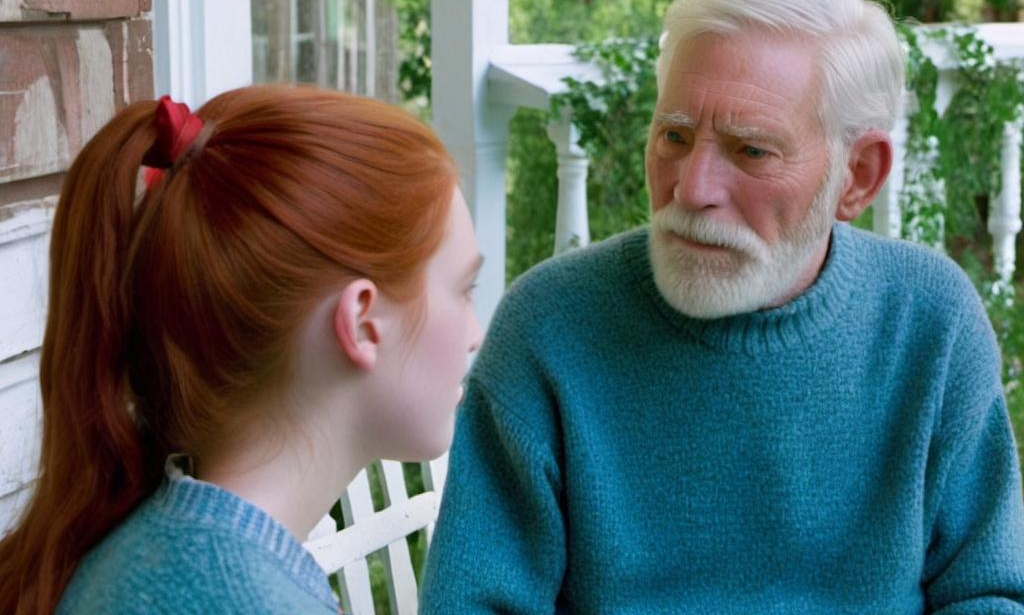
(288, 300)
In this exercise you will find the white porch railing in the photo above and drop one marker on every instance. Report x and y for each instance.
(479, 79)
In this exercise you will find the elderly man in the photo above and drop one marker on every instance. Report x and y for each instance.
(750, 406)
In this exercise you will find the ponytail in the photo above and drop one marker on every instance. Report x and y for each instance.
(94, 467)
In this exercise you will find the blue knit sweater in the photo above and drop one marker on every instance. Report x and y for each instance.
(848, 452)
(193, 547)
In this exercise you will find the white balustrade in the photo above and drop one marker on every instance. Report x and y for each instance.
(1004, 219)
(571, 227)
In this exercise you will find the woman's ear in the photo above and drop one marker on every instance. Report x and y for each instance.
(356, 327)
(866, 172)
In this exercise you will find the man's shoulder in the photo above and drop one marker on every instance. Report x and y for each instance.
(564, 298)
(580, 270)
(933, 298)
(908, 267)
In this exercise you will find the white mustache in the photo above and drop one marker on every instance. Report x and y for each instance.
(702, 229)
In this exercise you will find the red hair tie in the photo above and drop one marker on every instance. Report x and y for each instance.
(176, 130)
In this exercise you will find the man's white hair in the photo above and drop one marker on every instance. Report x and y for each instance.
(861, 59)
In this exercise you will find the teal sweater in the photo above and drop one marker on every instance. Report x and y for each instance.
(849, 452)
(193, 547)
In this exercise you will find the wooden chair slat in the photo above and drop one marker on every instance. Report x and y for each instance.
(401, 580)
(356, 505)
(434, 473)
(356, 502)
(357, 596)
(368, 535)
(395, 491)
(399, 576)
(345, 552)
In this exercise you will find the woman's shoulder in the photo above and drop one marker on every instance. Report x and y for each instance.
(146, 564)
(159, 561)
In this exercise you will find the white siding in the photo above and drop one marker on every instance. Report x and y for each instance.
(24, 240)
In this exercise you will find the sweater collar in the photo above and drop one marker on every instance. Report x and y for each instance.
(209, 506)
(773, 330)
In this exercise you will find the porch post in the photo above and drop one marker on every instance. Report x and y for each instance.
(1004, 221)
(463, 34)
(572, 229)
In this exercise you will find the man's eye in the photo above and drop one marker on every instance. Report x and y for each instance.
(754, 153)
(674, 136)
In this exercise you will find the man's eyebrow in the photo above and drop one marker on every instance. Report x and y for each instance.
(674, 118)
(753, 133)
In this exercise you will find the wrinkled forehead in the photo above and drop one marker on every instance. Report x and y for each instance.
(752, 54)
(753, 75)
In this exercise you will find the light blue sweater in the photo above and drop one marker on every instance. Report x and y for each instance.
(193, 547)
(849, 452)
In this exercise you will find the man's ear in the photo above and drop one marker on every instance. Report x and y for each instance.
(866, 171)
(356, 327)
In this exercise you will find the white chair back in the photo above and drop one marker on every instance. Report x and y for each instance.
(347, 552)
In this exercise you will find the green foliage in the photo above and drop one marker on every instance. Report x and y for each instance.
(545, 21)
(532, 193)
(923, 200)
(989, 94)
(924, 10)
(1004, 8)
(955, 10)
(612, 118)
(414, 45)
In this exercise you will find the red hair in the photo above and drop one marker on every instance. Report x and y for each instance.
(166, 312)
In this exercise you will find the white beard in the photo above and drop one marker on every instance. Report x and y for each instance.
(753, 274)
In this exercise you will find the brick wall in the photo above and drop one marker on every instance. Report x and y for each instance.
(66, 66)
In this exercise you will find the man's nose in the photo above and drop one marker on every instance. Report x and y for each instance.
(702, 178)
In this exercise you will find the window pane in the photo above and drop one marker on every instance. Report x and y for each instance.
(326, 42)
(306, 15)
